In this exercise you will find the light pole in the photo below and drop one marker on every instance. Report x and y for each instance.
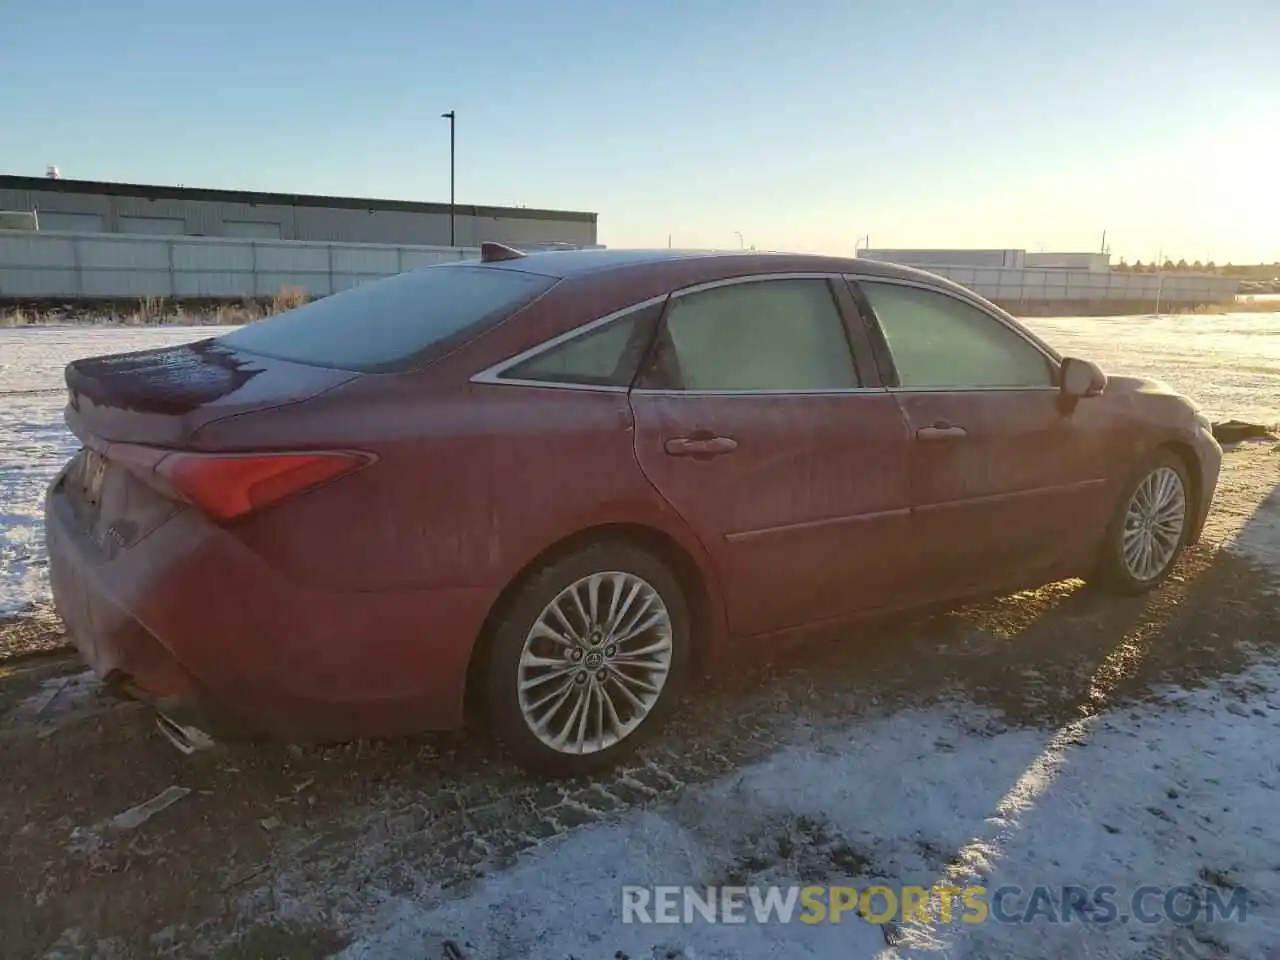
(741, 243)
(450, 116)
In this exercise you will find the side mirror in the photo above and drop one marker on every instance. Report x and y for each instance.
(1080, 378)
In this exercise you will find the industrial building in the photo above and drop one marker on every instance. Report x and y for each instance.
(1024, 282)
(90, 206)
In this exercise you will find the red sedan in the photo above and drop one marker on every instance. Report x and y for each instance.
(548, 487)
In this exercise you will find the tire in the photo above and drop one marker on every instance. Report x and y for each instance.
(1130, 573)
(589, 670)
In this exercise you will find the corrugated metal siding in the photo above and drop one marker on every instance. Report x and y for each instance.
(77, 222)
(203, 218)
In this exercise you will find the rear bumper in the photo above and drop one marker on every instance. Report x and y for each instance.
(194, 622)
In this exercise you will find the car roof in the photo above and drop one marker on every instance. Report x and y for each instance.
(568, 264)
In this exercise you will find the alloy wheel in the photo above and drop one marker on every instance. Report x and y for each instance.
(595, 662)
(1153, 523)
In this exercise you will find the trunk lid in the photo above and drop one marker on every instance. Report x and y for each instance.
(163, 396)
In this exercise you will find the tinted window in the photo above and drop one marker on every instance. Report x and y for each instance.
(939, 342)
(382, 324)
(762, 335)
(604, 356)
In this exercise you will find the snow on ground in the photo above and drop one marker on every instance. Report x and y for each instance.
(1179, 794)
(1228, 363)
(34, 441)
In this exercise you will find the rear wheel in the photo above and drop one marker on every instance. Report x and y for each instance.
(588, 660)
(1149, 528)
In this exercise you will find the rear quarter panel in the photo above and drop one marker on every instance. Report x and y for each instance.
(410, 520)
(563, 462)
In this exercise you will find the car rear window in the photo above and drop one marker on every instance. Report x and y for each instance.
(391, 323)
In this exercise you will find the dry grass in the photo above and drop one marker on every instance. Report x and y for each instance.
(287, 298)
(17, 318)
(1245, 305)
(234, 314)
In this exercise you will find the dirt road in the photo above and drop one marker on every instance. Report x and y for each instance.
(285, 852)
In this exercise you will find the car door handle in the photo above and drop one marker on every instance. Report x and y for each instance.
(941, 431)
(700, 446)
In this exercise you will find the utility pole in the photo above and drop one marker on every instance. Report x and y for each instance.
(451, 117)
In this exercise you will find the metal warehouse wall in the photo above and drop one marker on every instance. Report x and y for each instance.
(73, 265)
(120, 213)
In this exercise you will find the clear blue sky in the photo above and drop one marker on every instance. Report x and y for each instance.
(803, 124)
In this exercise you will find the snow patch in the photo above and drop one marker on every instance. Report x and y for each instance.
(1178, 792)
(34, 439)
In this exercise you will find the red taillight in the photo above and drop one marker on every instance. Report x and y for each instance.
(227, 486)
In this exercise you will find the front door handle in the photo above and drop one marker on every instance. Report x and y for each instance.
(701, 447)
(941, 431)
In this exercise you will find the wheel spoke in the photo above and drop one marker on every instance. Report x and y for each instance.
(606, 702)
(567, 730)
(582, 611)
(636, 683)
(593, 598)
(661, 646)
(533, 660)
(588, 695)
(544, 631)
(559, 696)
(656, 617)
(597, 694)
(621, 614)
(538, 680)
(554, 610)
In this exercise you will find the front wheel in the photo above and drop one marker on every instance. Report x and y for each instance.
(1150, 526)
(588, 660)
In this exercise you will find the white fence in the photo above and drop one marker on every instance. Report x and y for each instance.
(1028, 285)
(53, 264)
(120, 266)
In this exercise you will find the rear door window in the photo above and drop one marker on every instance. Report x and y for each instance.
(758, 335)
(392, 323)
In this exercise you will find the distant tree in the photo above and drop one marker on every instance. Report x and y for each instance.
(1198, 267)
(1122, 266)
(1229, 270)
(1211, 267)
(1138, 267)
(1168, 265)
(1182, 266)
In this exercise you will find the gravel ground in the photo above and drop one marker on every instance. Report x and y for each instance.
(277, 851)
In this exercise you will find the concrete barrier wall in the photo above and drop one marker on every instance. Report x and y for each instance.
(1028, 285)
(49, 265)
(54, 264)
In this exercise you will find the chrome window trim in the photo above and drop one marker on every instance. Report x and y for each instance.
(1044, 349)
(833, 392)
(758, 278)
(493, 374)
